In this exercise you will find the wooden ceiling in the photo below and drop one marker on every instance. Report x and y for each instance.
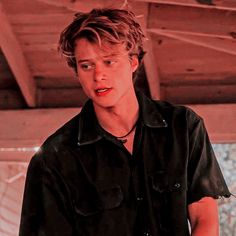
(191, 60)
(190, 57)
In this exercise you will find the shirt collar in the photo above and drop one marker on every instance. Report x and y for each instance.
(88, 125)
(90, 131)
(149, 112)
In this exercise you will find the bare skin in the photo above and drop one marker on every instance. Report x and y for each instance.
(106, 78)
(203, 216)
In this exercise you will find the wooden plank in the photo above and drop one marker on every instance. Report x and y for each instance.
(34, 126)
(151, 69)
(219, 44)
(22, 124)
(82, 7)
(190, 33)
(47, 66)
(191, 19)
(76, 5)
(11, 99)
(23, 131)
(56, 97)
(51, 68)
(7, 81)
(191, 61)
(212, 79)
(215, 4)
(200, 94)
(40, 19)
(6, 77)
(219, 120)
(46, 56)
(32, 7)
(40, 29)
(14, 55)
(57, 82)
(53, 74)
(150, 63)
(44, 38)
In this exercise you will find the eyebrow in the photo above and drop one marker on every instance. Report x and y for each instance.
(83, 60)
(112, 55)
(105, 56)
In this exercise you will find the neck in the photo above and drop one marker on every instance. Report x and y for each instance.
(120, 119)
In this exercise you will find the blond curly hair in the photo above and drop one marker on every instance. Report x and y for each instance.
(113, 26)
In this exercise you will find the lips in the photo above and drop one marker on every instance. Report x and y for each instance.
(102, 91)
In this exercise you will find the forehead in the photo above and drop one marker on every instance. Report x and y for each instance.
(84, 48)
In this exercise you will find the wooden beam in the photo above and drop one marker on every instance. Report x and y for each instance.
(200, 94)
(219, 120)
(27, 129)
(15, 57)
(190, 19)
(81, 6)
(150, 62)
(22, 131)
(151, 69)
(219, 44)
(11, 99)
(69, 97)
(216, 4)
(190, 33)
(209, 79)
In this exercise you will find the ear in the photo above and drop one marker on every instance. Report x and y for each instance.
(134, 62)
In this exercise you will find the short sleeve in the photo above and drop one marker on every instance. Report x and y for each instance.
(45, 209)
(204, 175)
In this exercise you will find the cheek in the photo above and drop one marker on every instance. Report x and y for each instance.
(83, 78)
(128, 73)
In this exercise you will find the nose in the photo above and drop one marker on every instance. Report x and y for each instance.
(99, 73)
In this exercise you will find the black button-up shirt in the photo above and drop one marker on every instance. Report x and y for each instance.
(83, 181)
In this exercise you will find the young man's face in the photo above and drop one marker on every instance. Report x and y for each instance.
(105, 73)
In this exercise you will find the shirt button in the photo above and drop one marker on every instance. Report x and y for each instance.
(146, 234)
(177, 185)
(139, 198)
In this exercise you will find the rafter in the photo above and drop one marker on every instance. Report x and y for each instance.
(221, 5)
(196, 94)
(198, 21)
(76, 5)
(150, 63)
(16, 60)
(219, 120)
(218, 44)
(19, 146)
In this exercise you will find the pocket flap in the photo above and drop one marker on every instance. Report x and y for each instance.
(104, 199)
(111, 197)
(161, 182)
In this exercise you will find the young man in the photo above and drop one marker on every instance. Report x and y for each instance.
(126, 165)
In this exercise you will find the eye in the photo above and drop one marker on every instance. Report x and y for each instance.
(109, 62)
(86, 66)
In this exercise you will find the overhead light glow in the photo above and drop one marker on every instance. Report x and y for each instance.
(19, 149)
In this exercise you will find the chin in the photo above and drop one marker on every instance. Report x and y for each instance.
(104, 104)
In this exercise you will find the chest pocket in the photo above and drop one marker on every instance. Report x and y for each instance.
(161, 182)
(103, 198)
(167, 196)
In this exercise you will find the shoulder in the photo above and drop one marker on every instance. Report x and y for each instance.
(57, 143)
(173, 112)
(173, 115)
(165, 108)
